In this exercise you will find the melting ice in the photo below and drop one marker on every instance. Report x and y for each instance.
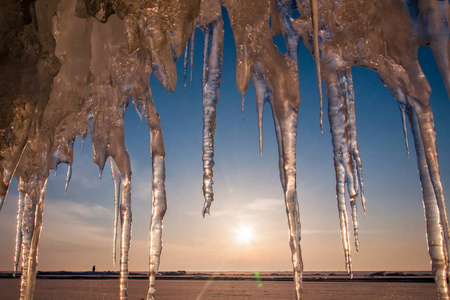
(73, 66)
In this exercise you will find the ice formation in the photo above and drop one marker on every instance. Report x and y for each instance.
(62, 74)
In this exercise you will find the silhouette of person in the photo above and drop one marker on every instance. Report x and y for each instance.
(93, 268)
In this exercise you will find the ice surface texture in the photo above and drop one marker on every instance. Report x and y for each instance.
(63, 74)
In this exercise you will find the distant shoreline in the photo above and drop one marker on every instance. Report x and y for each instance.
(358, 276)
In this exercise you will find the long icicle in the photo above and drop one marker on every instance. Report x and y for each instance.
(191, 50)
(186, 61)
(207, 146)
(428, 135)
(342, 208)
(315, 23)
(285, 116)
(416, 103)
(33, 258)
(337, 114)
(159, 205)
(436, 246)
(31, 230)
(18, 247)
(355, 158)
(27, 234)
(115, 174)
(126, 218)
(281, 77)
(286, 136)
(212, 65)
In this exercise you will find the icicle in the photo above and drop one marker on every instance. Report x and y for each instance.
(343, 131)
(280, 150)
(425, 128)
(286, 130)
(242, 104)
(347, 160)
(286, 136)
(208, 132)
(68, 177)
(212, 65)
(2, 200)
(416, 103)
(20, 208)
(32, 265)
(125, 217)
(436, 245)
(159, 205)
(262, 95)
(342, 208)
(27, 234)
(355, 222)
(115, 174)
(285, 100)
(158, 211)
(189, 57)
(251, 28)
(353, 143)
(32, 226)
(244, 66)
(315, 21)
(405, 129)
(191, 48)
(186, 61)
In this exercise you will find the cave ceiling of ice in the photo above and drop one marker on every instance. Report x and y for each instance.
(52, 92)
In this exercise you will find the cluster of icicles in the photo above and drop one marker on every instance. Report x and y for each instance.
(64, 73)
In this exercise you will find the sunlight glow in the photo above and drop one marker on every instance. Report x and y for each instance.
(244, 234)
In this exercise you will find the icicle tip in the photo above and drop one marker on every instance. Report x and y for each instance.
(206, 209)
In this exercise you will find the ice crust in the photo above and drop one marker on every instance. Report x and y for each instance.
(72, 66)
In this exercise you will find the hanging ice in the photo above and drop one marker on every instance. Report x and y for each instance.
(54, 89)
(189, 57)
(212, 26)
(115, 174)
(278, 74)
(19, 233)
(158, 191)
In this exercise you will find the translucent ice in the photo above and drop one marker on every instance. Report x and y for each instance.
(278, 74)
(212, 67)
(115, 174)
(159, 206)
(62, 73)
(18, 247)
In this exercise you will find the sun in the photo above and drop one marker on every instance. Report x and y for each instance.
(244, 234)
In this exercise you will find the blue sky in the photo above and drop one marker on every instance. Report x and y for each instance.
(78, 226)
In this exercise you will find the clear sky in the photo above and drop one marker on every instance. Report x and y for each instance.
(78, 226)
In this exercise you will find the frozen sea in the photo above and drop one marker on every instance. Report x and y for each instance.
(228, 285)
